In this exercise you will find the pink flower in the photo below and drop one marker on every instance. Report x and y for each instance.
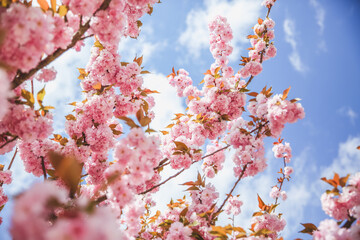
(179, 231)
(288, 171)
(5, 176)
(233, 206)
(47, 74)
(31, 208)
(275, 192)
(4, 93)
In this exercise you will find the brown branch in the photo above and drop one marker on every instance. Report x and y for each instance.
(158, 185)
(88, 36)
(268, 12)
(220, 149)
(249, 81)
(349, 222)
(282, 182)
(22, 77)
(210, 154)
(162, 165)
(259, 127)
(84, 175)
(16, 137)
(233, 188)
(101, 199)
(178, 173)
(12, 160)
(43, 167)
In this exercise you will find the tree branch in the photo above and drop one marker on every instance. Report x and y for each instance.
(178, 173)
(349, 222)
(158, 185)
(12, 159)
(16, 137)
(282, 182)
(43, 167)
(233, 188)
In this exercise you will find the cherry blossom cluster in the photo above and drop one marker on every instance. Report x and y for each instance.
(46, 212)
(271, 222)
(343, 206)
(330, 229)
(25, 123)
(5, 178)
(277, 110)
(262, 48)
(233, 206)
(33, 34)
(214, 163)
(220, 37)
(184, 217)
(4, 93)
(118, 20)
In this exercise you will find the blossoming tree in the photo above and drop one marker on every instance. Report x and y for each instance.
(85, 188)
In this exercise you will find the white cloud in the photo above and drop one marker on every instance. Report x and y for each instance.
(348, 112)
(320, 21)
(320, 15)
(290, 37)
(166, 102)
(129, 48)
(347, 161)
(241, 15)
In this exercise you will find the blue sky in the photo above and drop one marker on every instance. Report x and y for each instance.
(318, 50)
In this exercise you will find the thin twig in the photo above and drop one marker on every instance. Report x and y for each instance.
(43, 167)
(249, 81)
(259, 127)
(268, 12)
(349, 222)
(178, 173)
(16, 137)
(281, 184)
(233, 188)
(168, 179)
(101, 199)
(88, 36)
(162, 165)
(12, 160)
(220, 149)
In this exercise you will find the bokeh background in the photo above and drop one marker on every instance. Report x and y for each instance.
(318, 56)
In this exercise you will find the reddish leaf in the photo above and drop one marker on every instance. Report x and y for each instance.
(285, 93)
(261, 203)
(309, 228)
(43, 4)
